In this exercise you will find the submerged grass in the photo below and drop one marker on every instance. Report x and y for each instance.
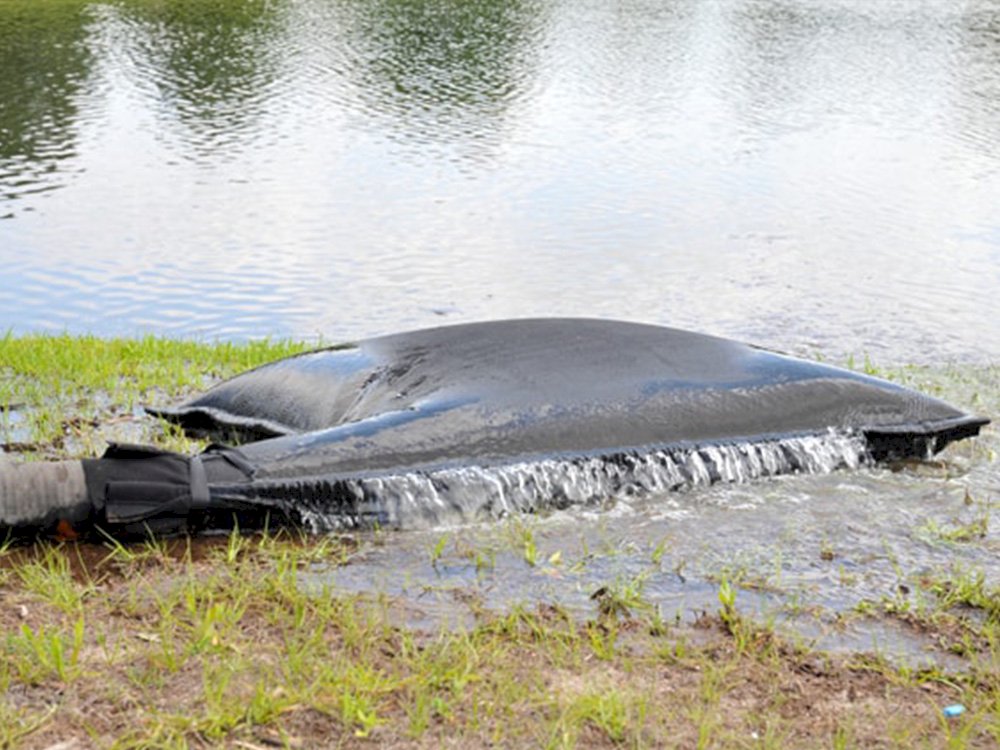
(230, 641)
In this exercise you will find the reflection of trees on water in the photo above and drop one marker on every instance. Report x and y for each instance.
(211, 62)
(422, 70)
(45, 64)
(435, 68)
(979, 62)
(207, 60)
(441, 70)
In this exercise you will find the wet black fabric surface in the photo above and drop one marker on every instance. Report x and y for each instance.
(490, 393)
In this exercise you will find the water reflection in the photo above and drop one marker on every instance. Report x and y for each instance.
(977, 55)
(37, 94)
(347, 168)
(440, 71)
(207, 68)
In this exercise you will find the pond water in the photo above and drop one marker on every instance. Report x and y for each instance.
(816, 176)
(811, 175)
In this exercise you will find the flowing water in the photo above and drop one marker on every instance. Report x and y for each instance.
(821, 554)
(815, 176)
(470, 493)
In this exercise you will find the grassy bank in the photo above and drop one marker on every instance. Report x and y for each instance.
(231, 642)
(205, 644)
(66, 395)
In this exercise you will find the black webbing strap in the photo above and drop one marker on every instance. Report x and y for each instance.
(199, 483)
(134, 483)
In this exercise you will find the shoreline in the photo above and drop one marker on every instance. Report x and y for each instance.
(238, 642)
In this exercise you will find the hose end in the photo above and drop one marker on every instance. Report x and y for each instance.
(42, 497)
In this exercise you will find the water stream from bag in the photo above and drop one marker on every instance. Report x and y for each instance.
(462, 494)
(819, 177)
(819, 552)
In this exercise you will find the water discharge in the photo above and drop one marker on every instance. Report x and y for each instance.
(808, 176)
(467, 494)
(822, 553)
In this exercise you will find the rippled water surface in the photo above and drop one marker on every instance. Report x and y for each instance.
(806, 174)
(820, 176)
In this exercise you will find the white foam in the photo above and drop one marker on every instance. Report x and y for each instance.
(457, 495)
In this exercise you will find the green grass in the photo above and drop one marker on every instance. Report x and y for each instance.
(193, 642)
(56, 390)
(232, 642)
(193, 646)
